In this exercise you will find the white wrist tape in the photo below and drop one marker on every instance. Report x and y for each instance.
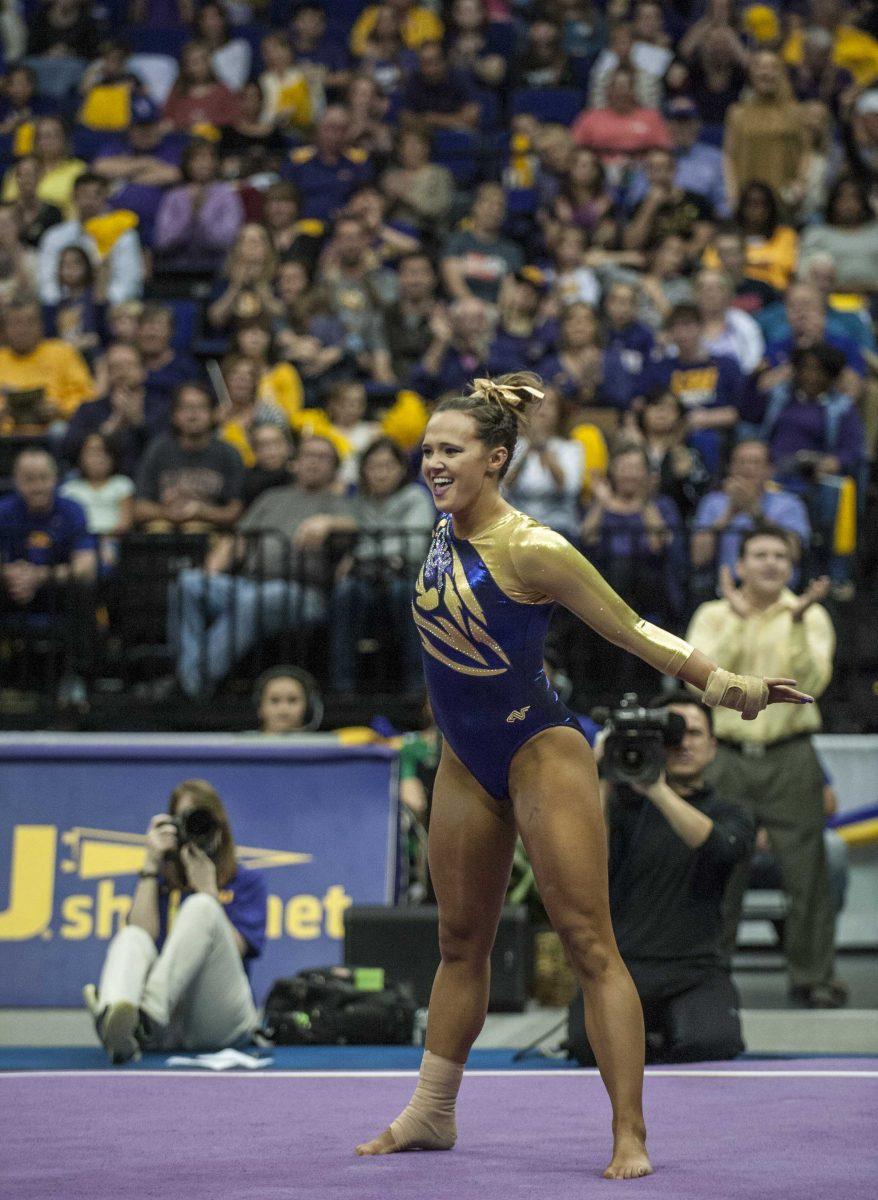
(746, 694)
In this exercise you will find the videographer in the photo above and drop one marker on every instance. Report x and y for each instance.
(177, 975)
(672, 846)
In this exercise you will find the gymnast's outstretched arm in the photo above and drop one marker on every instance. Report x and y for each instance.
(547, 564)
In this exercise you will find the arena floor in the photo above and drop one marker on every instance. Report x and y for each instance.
(792, 1118)
(747, 1129)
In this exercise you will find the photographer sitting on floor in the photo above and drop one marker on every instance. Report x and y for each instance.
(672, 845)
(176, 976)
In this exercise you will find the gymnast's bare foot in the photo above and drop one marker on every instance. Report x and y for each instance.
(630, 1160)
(383, 1144)
(411, 1135)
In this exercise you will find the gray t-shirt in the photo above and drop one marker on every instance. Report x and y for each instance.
(854, 251)
(410, 512)
(277, 514)
(484, 263)
(214, 474)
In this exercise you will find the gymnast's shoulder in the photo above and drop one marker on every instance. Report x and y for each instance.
(521, 554)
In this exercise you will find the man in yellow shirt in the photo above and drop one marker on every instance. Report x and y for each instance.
(42, 380)
(770, 762)
(417, 24)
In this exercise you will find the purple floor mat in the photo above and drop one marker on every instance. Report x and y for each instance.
(747, 1132)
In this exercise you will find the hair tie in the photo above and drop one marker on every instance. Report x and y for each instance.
(504, 394)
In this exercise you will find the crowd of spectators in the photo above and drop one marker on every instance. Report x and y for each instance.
(245, 246)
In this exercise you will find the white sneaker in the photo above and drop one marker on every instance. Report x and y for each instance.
(116, 1026)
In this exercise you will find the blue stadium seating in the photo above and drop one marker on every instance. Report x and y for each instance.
(561, 105)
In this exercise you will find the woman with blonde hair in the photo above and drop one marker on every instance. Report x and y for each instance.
(515, 761)
(176, 975)
(243, 405)
(245, 290)
(58, 169)
(765, 137)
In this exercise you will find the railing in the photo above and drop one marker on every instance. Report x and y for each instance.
(161, 608)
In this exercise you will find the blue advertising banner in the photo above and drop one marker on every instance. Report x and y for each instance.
(320, 820)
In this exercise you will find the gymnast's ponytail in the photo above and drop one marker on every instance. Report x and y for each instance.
(500, 408)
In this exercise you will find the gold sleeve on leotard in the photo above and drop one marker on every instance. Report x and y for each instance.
(547, 567)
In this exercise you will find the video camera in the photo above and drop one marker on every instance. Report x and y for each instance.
(637, 737)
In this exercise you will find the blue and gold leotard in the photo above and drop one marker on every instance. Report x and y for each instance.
(482, 608)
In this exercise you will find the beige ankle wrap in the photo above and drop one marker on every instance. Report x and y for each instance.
(746, 694)
(427, 1123)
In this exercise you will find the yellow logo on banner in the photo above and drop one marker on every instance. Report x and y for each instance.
(104, 855)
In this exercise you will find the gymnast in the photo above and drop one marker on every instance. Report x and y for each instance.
(514, 760)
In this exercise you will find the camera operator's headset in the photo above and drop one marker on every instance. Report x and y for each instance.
(313, 698)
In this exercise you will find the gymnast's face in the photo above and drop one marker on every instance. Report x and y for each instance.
(457, 466)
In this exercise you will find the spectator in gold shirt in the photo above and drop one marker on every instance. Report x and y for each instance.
(770, 763)
(42, 380)
(418, 25)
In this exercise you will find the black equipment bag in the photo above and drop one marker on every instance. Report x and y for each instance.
(322, 1007)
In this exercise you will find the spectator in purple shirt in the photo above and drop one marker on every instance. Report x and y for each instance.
(634, 537)
(522, 338)
(812, 427)
(312, 44)
(629, 344)
(818, 444)
(808, 322)
(437, 97)
(200, 219)
(128, 415)
(746, 498)
(458, 350)
(145, 153)
(48, 566)
(699, 167)
(709, 385)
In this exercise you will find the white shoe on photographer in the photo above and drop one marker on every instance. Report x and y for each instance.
(116, 1025)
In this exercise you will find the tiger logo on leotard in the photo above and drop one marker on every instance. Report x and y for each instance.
(448, 616)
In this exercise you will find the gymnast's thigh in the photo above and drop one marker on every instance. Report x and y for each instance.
(554, 786)
(471, 843)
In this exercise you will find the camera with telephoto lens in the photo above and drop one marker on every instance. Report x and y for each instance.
(637, 738)
(197, 827)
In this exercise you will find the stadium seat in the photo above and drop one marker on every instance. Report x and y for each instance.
(252, 34)
(86, 142)
(459, 151)
(147, 39)
(186, 317)
(503, 38)
(148, 564)
(521, 201)
(580, 69)
(558, 105)
(491, 111)
(143, 200)
(712, 134)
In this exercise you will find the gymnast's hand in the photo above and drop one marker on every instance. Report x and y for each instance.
(784, 691)
(750, 694)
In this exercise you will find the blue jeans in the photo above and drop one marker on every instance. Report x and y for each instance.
(359, 609)
(215, 619)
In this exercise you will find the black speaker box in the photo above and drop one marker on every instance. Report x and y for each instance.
(405, 942)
